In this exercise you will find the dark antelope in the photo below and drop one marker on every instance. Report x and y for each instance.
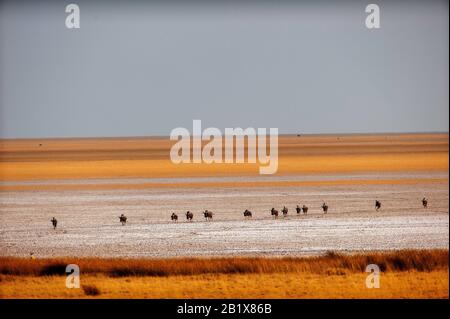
(247, 213)
(298, 209)
(174, 217)
(274, 212)
(325, 208)
(208, 215)
(305, 209)
(424, 202)
(54, 222)
(377, 205)
(123, 219)
(284, 211)
(189, 215)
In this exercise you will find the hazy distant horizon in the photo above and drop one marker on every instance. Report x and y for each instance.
(144, 68)
(280, 135)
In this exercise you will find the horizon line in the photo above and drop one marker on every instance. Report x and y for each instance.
(168, 136)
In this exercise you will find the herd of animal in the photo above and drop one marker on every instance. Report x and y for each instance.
(208, 215)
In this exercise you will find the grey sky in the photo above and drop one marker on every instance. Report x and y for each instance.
(145, 68)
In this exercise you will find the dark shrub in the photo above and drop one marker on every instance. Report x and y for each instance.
(90, 290)
(53, 269)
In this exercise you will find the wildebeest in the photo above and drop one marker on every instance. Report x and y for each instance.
(325, 208)
(174, 217)
(208, 215)
(298, 209)
(377, 205)
(247, 213)
(123, 219)
(284, 210)
(274, 212)
(54, 222)
(189, 215)
(424, 202)
(305, 209)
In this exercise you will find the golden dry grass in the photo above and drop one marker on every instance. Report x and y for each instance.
(403, 260)
(405, 274)
(149, 157)
(411, 284)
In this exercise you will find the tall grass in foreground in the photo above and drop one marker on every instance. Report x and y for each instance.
(331, 263)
